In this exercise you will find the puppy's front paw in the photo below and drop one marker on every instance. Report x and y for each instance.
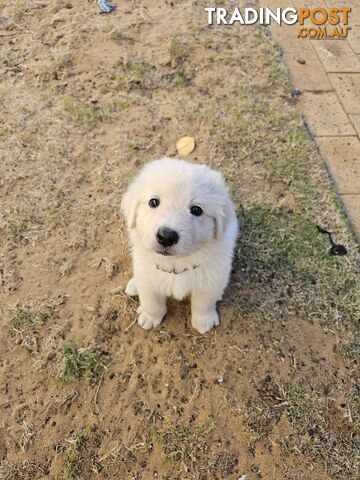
(131, 288)
(203, 322)
(147, 322)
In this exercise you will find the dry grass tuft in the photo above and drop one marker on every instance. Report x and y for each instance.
(26, 320)
(177, 51)
(183, 443)
(320, 431)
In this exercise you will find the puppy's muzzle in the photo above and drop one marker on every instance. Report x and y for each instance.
(167, 237)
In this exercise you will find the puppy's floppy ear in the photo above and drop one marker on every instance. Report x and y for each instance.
(222, 209)
(224, 213)
(129, 204)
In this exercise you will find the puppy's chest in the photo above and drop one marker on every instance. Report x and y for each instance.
(177, 284)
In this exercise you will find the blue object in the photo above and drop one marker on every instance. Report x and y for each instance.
(105, 6)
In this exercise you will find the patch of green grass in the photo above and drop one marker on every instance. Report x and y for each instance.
(270, 58)
(269, 141)
(353, 398)
(243, 121)
(19, 9)
(25, 316)
(311, 413)
(275, 241)
(177, 50)
(80, 455)
(301, 406)
(81, 364)
(281, 247)
(351, 351)
(127, 74)
(24, 221)
(83, 112)
(122, 103)
(16, 9)
(136, 71)
(259, 418)
(57, 69)
(25, 323)
(312, 417)
(285, 164)
(182, 77)
(5, 132)
(183, 443)
(72, 457)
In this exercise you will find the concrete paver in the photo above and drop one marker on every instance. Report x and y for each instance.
(342, 156)
(337, 56)
(354, 34)
(324, 115)
(306, 71)
(354, 38)
(355, 120)
(352, 208)
(347, 87)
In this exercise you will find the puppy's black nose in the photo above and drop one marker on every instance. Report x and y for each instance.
(167, 237)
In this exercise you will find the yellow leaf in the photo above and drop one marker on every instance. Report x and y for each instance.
(185, 145)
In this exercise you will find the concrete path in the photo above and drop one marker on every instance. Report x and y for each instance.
(327, 74)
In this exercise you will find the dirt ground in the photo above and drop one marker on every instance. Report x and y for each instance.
(273, 393)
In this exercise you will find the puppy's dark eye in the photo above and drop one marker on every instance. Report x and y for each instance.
(196, 210)
(154, 202)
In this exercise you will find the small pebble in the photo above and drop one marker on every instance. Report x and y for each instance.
(220, 379)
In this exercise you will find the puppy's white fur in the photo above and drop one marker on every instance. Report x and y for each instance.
(199, 264)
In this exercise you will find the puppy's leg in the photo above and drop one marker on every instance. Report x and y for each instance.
(131, 288)
(203, 311)
(152, 307)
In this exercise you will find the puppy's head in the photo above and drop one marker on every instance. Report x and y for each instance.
(175, 207)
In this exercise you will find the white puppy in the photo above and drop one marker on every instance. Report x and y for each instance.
(182, 227)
